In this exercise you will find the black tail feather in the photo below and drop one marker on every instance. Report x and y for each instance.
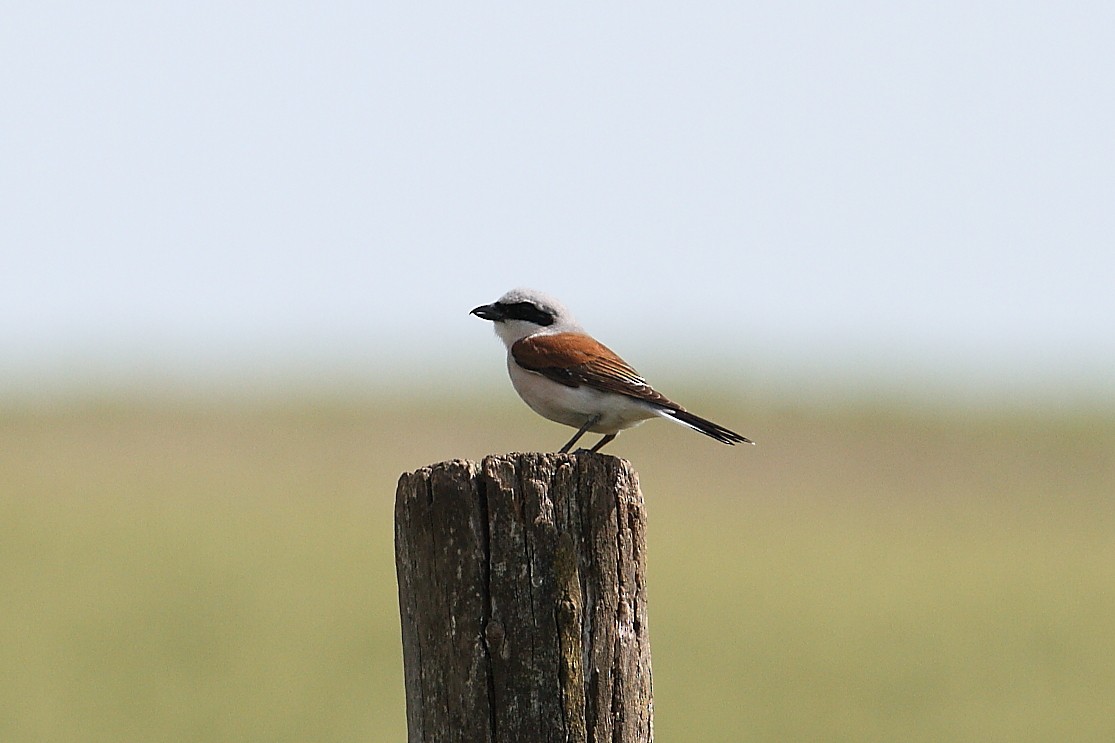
(707, 427)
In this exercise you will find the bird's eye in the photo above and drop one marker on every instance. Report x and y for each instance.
(527, 311)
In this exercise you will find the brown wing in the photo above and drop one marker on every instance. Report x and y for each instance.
(574, 359)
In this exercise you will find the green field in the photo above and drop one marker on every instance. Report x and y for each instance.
(173, 571)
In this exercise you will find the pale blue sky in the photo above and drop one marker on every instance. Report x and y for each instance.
(921, 188)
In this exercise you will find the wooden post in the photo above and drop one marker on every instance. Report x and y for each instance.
(523, 600)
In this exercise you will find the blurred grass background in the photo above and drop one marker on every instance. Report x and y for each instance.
(176, 569)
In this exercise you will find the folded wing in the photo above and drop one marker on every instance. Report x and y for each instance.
(573, 359)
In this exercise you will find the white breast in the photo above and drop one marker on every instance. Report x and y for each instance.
(575, 405)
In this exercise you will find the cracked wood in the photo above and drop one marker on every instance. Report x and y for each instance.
(523, 600)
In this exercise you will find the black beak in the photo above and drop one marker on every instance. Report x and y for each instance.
(488, 312)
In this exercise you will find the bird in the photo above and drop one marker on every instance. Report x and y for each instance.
(567, 376)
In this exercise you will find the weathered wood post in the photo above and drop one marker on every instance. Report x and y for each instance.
(523, 600)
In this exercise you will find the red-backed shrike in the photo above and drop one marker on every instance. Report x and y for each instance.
(566, 375)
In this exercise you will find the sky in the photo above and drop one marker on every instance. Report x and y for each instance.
(902, 191)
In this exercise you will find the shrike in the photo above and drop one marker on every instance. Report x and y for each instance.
(566, 375)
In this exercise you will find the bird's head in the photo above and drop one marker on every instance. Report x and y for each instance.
(523, 312)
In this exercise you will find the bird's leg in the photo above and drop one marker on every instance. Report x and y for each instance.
(601, 442)
(583, 430)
